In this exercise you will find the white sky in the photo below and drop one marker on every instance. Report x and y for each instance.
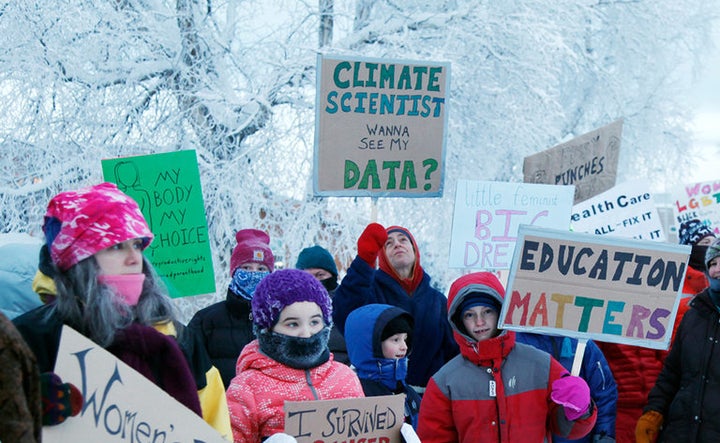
(707, 121)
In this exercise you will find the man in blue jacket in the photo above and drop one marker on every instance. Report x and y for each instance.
(399, 281)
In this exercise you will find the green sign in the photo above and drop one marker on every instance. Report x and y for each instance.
(167, 188)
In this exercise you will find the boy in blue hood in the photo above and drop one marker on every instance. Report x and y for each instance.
(379, 339)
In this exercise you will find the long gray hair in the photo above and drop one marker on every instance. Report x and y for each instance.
(91, 307)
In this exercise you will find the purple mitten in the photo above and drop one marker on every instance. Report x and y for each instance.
(573, 393)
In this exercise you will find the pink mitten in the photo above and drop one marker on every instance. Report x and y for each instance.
(370, 242)
(573, 393)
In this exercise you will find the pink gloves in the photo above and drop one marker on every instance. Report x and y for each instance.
(370, 242)
(573, 393)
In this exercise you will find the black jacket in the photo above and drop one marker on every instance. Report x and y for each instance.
(224, 329)
(687, 391)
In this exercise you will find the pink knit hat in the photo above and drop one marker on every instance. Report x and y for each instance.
(253, 245)
(80, 223)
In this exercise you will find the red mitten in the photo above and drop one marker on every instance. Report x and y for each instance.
(59, 400)
(573, 394)
(370, 242)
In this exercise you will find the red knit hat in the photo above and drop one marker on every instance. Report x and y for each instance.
(80, 223)
(253, 245)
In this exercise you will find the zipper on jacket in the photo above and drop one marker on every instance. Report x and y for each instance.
(308, 379)
(602, 374)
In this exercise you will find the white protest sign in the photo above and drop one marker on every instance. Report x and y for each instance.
(594, 287)
(626, 210)
(487, 215)
(361, 420)
(700, 201)
(380, 127)
(119, 404)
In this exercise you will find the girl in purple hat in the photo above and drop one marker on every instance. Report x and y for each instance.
(289, 360)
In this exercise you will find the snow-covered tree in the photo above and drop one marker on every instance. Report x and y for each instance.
(84, 80)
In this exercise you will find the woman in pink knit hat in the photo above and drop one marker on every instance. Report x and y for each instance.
(226, 327)
(108, 291)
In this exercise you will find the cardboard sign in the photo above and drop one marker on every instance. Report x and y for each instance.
(594, 287)
(626, 210)
(589, 162)
(366, 420)
(119, 404)
(487, 216)
(167, 188)
(380, 127)
(699, 200)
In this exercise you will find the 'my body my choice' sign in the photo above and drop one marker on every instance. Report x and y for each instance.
(594, 287)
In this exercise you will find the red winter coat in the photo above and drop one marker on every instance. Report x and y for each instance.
(695, 281)
(459, 404)
(257, 393)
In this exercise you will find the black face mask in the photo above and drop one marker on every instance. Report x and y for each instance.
(330, 284)
(296, 352)
(697, 257)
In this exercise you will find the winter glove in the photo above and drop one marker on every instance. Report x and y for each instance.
(370, 242)
(280, 437)
(59, 400)
(648, 426)
(573, 394)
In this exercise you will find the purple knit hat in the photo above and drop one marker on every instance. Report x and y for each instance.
(285, 287)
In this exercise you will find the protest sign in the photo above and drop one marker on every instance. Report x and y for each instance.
(626, 210)
(700, 200)
(167, 188)
(589, 162)
(487, 215)
(119, 404)
(361, 420)
(380, 127)
(594, 287)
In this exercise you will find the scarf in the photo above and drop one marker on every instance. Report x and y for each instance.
(157, 357)
(244, 282)
(296, 352)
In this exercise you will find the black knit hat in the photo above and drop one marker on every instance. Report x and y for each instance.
(692, 231)
(402, 324)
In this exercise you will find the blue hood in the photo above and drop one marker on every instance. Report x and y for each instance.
(363, 330)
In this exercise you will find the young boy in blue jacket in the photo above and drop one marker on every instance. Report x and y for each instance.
(379, 339)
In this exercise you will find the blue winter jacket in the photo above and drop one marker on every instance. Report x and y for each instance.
(594, 370)
(363, 285)
(379, 375)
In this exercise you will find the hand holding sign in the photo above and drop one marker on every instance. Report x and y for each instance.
(573, 394)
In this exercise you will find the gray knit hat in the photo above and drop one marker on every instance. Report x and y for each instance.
(285, 287)
(712, 251)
